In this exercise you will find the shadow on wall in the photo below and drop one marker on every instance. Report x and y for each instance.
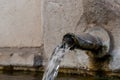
(38, 59)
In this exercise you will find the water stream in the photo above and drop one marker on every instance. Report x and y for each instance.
(54, 62)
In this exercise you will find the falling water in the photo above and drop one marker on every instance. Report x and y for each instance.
(53, 65)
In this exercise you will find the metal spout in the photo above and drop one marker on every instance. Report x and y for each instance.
(96, 41)
(84, 42)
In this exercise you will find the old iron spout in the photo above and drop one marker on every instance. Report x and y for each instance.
(84, 42)
(96, 41)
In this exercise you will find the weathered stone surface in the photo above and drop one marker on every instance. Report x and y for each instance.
(21, 56)
(77, 16)
(20, 26)
(20, 23)
(105, 13)
(60, 17)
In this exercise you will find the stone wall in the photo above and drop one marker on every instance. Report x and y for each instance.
(31, 29)
(20, 30)
(77, 16)
(20, 23)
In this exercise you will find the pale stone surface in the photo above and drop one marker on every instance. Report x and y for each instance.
(20, 23)
(21, 56)
(60, 17)
(76, 16)
(20, 26)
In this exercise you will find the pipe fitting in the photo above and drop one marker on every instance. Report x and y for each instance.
(96, 41)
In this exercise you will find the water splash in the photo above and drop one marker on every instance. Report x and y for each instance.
(53, 65)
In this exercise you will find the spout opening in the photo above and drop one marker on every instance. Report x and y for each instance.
(69, 39)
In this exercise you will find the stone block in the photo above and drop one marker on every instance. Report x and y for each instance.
(20, 23)
(21, 57)
(60, 17)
